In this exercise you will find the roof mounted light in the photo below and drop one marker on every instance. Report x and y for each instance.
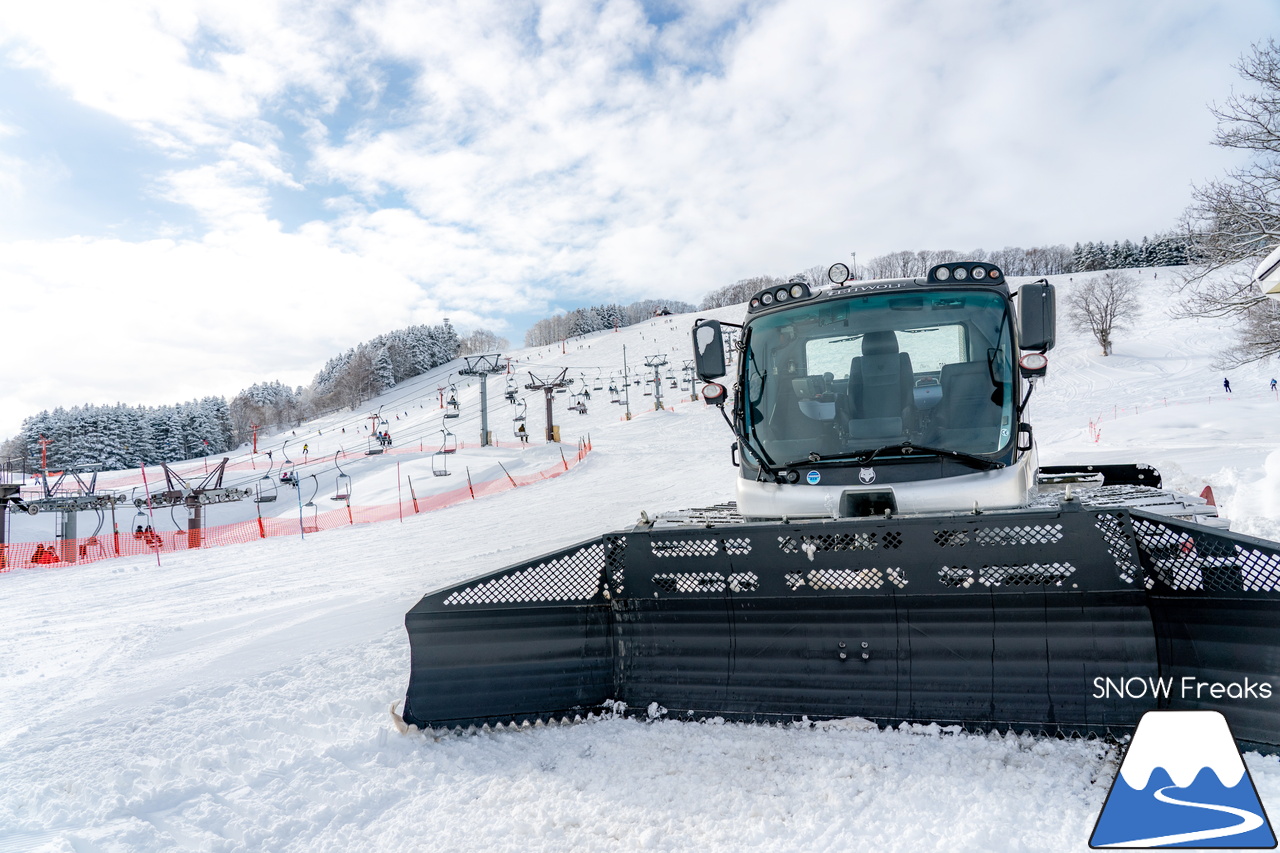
(839, 273)
(974, 272)
(775, 295)
(966, 271)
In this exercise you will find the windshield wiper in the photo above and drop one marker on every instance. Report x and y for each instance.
(864, 457)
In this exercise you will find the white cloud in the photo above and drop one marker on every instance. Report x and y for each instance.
(539, 153)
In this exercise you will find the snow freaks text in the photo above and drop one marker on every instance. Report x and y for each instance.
(1187, 687)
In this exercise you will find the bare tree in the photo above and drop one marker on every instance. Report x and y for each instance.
(481, 341)
(1237, 218)
(1104, 305)
(1258, 336)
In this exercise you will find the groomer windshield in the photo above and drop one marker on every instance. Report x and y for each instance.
(844, 376)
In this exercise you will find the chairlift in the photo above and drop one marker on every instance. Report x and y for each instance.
(375, 446)
(342, 488)
(449, 443)
(265, 490)
(315, 487)
(512, 389)
(451, 405)
(440, 464)
(141, 522)
(314, 526)
(522, 407)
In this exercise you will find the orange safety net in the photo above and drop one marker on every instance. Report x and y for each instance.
(133, 543)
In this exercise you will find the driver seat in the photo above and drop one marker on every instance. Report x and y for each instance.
(881, 390)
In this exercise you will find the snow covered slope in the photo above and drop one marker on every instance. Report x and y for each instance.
(236, 698)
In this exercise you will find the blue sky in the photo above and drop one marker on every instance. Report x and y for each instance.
(207, 194)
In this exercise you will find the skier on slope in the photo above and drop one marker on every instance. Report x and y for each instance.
(1226, 385)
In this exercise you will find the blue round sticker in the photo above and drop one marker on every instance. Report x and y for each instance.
(813, 478)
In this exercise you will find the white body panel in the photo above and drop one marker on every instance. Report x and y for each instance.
(1267, 275)
(1002, 488)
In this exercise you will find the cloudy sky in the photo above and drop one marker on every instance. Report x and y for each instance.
(198, 195)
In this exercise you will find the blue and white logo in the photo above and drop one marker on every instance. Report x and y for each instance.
(813, 477)
(1183, 784)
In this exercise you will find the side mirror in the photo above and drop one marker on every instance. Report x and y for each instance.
(1036, 319)
(708, 350)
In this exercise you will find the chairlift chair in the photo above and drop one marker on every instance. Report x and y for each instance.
(265, 489)
(449, 442)
(265, 492)
(140, 524)
(520, 412)
(342, 488)
(314, 526)
(440, 464)
(451, 405)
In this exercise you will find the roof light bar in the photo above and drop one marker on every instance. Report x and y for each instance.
(967, 272)
(777, 295)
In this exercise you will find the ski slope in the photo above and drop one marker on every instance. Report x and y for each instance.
(237, 698)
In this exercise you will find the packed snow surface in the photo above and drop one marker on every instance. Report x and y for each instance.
(237, 698)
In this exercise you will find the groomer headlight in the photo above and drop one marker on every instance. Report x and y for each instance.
(797, 290)
(766, 298)
(781, 295)
(942, 273)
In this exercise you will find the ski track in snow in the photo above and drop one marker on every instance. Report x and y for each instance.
(237, 698)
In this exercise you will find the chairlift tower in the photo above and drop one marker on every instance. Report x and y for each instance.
(13, 476)
(483, 366)
(549, 387)
(181, 493)
(691, 380)
(656, 362)
(67, 497)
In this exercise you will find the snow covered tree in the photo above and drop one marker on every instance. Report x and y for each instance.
(1103, 305)
(384, 373)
